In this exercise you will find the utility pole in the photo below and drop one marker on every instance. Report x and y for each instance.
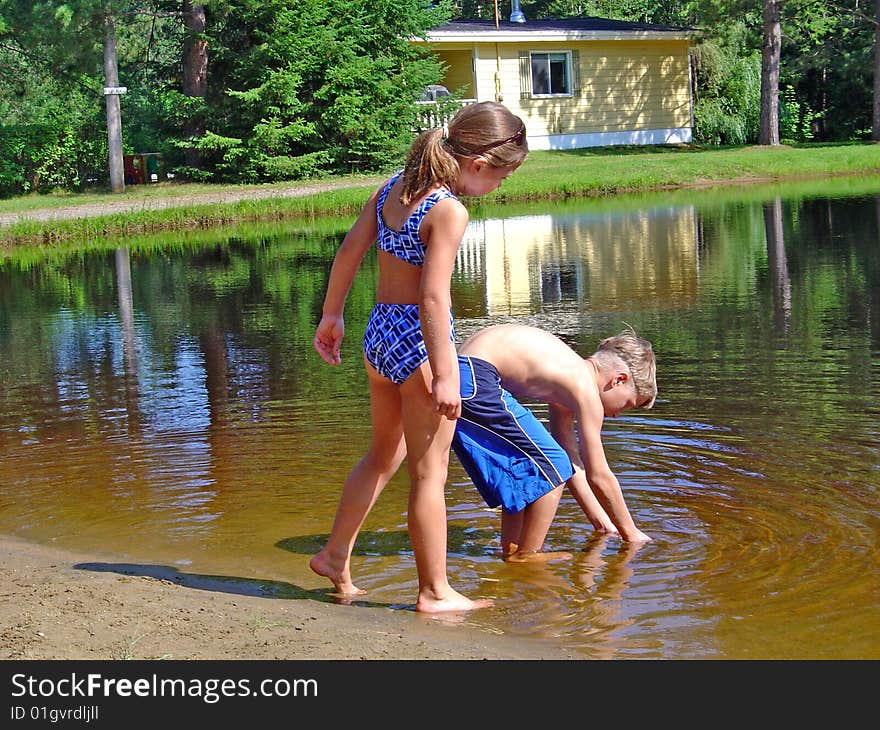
(112, 91)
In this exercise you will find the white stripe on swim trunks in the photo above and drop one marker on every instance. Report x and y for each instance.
(559, 480)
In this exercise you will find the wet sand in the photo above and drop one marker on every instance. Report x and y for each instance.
(52, 609)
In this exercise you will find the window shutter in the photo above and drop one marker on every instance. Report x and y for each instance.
(525, 75)
(575, 73)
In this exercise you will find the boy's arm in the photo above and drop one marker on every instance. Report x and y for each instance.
(562, 429)
(600, 478)
(331, 328)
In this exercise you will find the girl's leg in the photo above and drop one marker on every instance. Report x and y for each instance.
(428, 438)
(364, 484)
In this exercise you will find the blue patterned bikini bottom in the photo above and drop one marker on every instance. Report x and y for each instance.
(393, 342)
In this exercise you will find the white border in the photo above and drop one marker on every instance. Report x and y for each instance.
(675, 135)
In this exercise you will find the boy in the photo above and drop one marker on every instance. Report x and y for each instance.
(509, 455)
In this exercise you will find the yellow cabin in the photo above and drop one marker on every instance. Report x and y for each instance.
(577, 82)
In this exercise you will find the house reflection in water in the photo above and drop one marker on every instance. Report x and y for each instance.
(649, 257)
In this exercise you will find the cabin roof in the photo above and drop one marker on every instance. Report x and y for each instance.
(550, 29)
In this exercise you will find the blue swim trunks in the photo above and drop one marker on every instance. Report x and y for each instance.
(506, 451)
(393, 342)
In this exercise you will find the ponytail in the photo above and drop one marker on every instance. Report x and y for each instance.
(428, 164)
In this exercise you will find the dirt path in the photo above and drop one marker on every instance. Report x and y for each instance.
(133, 205)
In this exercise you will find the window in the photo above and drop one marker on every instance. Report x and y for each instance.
(551, 74)
(543, 75)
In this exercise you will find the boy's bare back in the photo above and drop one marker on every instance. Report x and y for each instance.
(532, 362)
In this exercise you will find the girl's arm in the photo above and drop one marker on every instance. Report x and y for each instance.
(331, 328)
(442, 231)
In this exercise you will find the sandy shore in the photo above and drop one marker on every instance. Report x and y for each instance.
(52, 609)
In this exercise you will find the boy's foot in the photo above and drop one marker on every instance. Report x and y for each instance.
(451, 600)
(537, 557)
(338, 575)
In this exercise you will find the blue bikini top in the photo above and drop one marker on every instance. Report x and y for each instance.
(406, 244)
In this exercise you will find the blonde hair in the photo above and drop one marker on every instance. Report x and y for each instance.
(486, 129)
(638, 355)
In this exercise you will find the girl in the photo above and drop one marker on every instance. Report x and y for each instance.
(417, 222)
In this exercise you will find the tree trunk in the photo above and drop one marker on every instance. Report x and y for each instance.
(771, 50)
(195, 72)
(875, 129)
(778, 265)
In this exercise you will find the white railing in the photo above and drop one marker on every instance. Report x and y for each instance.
(433, 114)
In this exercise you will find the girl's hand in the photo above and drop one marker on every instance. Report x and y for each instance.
(328, 338)
(447, 396)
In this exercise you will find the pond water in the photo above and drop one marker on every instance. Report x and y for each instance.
(161, 407)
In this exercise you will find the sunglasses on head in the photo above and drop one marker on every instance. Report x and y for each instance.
(517, 139)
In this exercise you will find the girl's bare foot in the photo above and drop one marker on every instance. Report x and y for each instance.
(336, 572)
(450, 600)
